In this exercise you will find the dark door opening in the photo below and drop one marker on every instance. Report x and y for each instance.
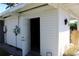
(35, 34)
(1, 31)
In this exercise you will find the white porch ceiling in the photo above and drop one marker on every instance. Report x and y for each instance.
(71, 8)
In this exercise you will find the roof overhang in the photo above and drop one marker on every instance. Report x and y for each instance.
(21, 8)
(71, 8)
(12, 10)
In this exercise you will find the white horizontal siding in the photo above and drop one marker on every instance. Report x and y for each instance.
(11, 22)
(48, 28)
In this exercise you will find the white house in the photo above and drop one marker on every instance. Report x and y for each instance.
(52, 19)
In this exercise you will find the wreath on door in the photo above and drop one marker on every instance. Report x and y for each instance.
(16, 30)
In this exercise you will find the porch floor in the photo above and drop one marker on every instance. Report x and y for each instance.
(10, 49)
(33, 53)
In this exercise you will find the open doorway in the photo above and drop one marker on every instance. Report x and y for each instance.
(1, 31)
(35, 34)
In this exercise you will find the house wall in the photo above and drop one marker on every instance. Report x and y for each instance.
(54, 34)
(24, 35)
(22, 38)
(48, 28)
(64, 32)
(11, 22)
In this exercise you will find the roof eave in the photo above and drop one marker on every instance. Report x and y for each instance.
(11, 10)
